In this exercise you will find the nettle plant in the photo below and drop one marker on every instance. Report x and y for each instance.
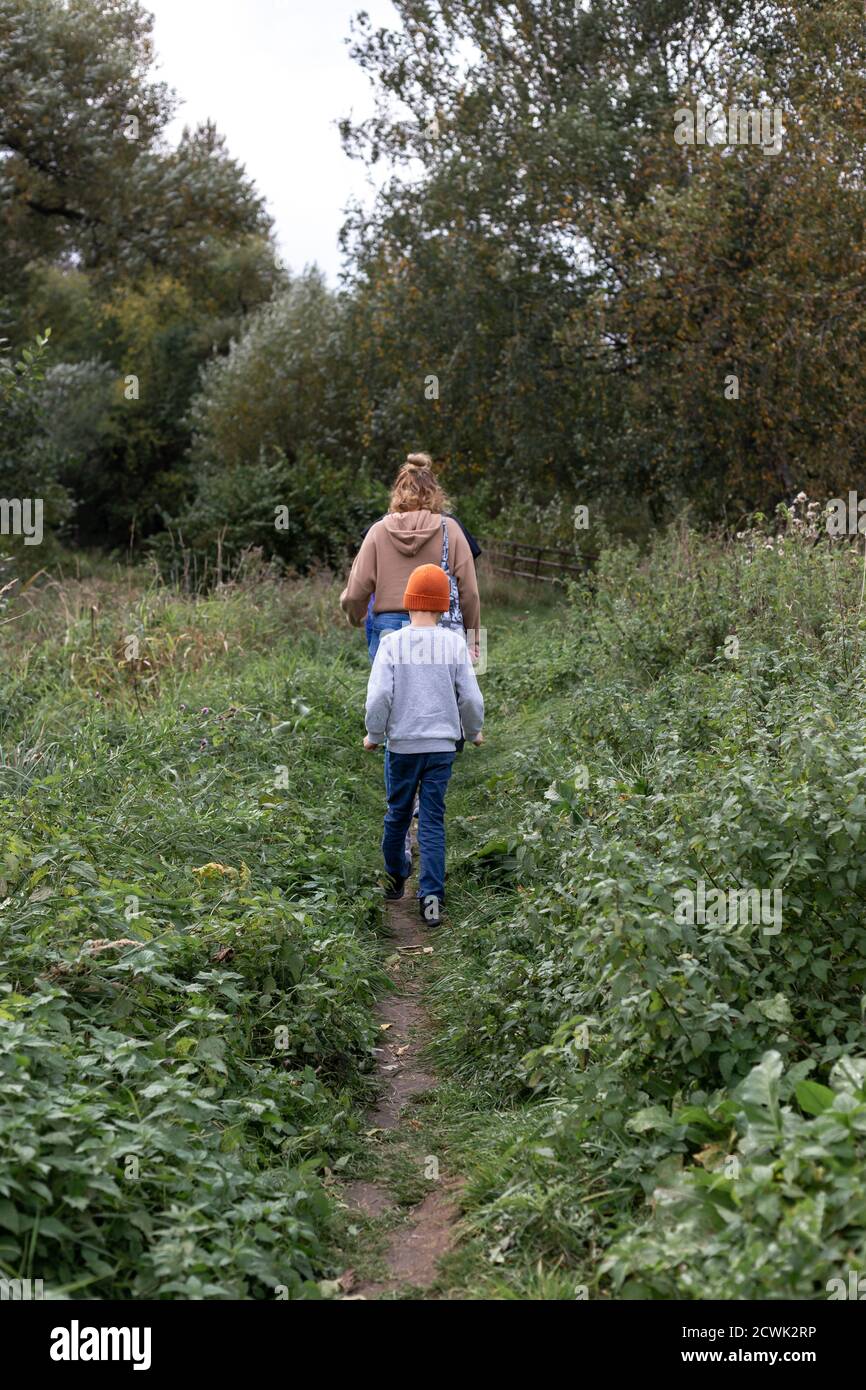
(643, 1031)
(189, 966)
(681, 999)
(774, 1199)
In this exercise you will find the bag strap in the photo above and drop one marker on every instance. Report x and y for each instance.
(445, 550)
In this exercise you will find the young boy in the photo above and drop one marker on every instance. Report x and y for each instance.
(422, 688)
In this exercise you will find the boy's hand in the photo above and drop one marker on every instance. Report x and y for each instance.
(369, 745)
(478, 739)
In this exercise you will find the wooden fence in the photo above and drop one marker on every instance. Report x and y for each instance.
(546, 563)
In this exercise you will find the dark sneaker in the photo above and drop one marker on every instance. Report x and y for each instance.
(394, 887)
(431, 909)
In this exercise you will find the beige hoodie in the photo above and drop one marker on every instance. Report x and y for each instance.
(392, 549)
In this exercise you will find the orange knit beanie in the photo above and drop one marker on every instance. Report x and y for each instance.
(428, 590)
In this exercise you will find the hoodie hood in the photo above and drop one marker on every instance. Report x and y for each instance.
(408, 531)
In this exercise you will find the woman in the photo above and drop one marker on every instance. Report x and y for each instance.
(415, 532)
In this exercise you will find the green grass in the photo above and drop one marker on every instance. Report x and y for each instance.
(632, 1097)
(185, 1049)
(641, 1105)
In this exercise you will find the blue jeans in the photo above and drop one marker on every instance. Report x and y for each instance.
(377, 623)
(427, 774)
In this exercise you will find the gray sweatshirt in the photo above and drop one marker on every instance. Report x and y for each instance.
(421, 688)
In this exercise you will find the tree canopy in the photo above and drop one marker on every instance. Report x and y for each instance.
(617, 258)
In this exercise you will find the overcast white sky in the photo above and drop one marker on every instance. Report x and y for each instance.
(276, 76)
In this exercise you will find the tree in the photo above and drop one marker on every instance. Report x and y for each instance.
(85, 169)
(147, 259)
(275, 450)
(584, 283)
(28, 464)
(285, 385)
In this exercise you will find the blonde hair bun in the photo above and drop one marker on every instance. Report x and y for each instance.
(416, 487)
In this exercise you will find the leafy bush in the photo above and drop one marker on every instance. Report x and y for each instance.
(188, 943)
(28, 462)
(305, 514)
(782, 1212)
(280, 388)
(697, 718)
